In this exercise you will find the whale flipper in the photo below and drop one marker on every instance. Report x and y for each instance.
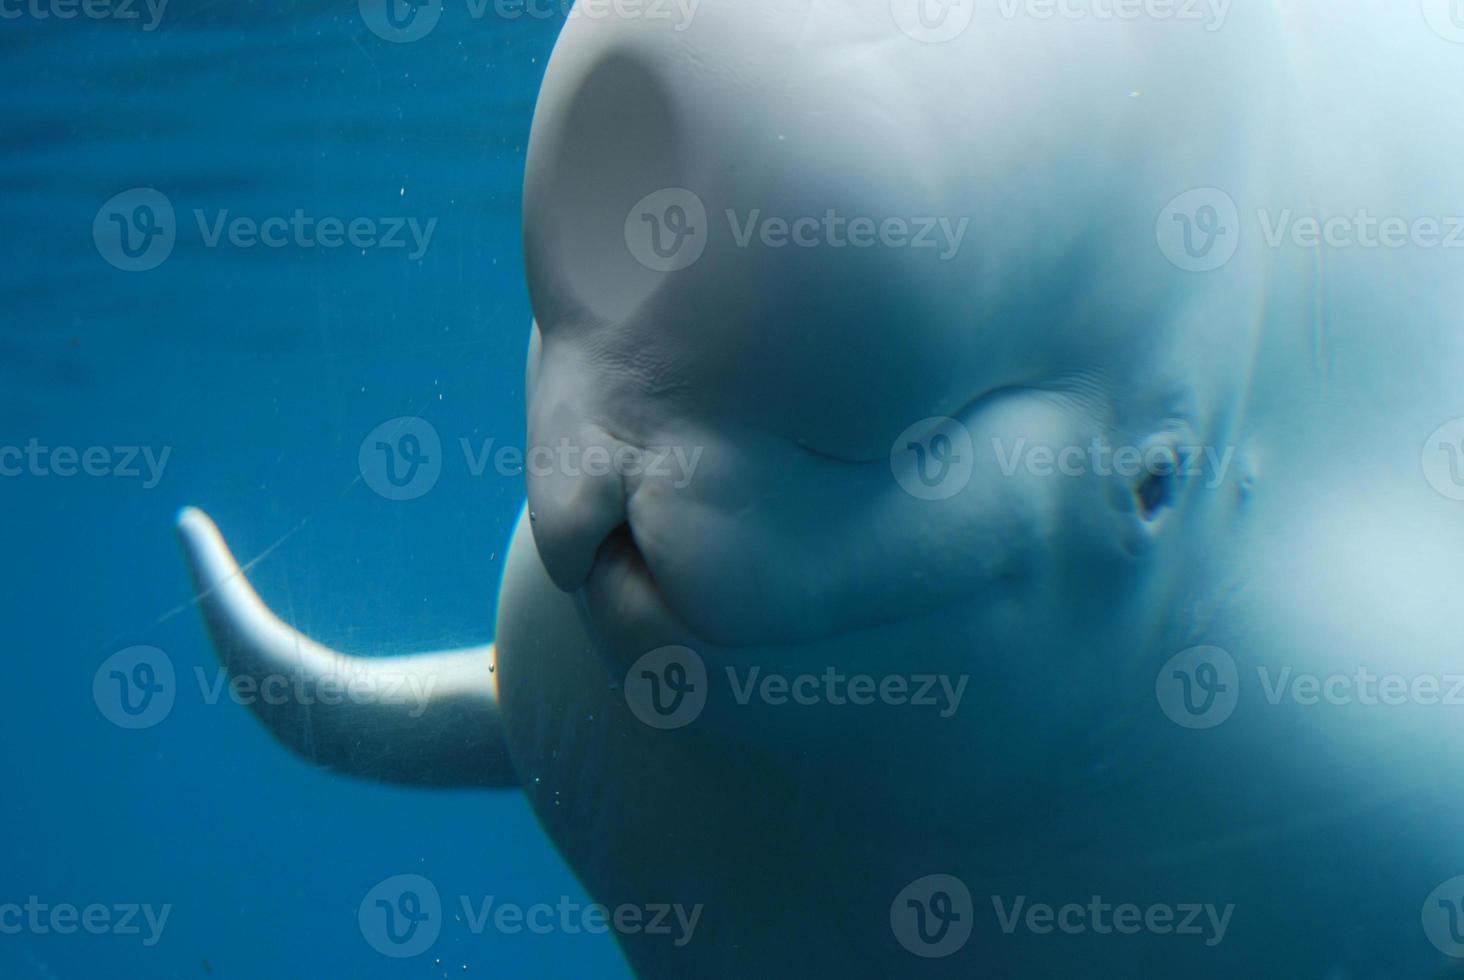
(429, 720)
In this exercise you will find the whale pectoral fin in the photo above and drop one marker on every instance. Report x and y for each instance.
(429, 720)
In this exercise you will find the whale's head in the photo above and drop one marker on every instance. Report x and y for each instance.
(847, 344)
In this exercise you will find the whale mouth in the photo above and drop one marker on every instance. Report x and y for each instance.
(627, 608)
(775, 546)
(625, 604)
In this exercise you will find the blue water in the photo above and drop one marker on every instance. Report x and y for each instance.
(259, 371)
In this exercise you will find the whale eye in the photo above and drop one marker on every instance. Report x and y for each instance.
(1155, 494)
(1157, 487)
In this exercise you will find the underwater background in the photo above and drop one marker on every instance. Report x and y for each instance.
(244, 378)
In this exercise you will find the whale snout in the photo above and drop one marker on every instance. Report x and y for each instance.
(673, 524)
(577, 477)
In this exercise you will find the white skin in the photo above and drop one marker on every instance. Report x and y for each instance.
(792, 548)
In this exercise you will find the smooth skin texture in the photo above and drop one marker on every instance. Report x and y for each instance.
(789, 372)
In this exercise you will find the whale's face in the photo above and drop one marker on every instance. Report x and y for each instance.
(761, 396)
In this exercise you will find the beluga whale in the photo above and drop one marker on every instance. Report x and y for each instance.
(999, 508)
